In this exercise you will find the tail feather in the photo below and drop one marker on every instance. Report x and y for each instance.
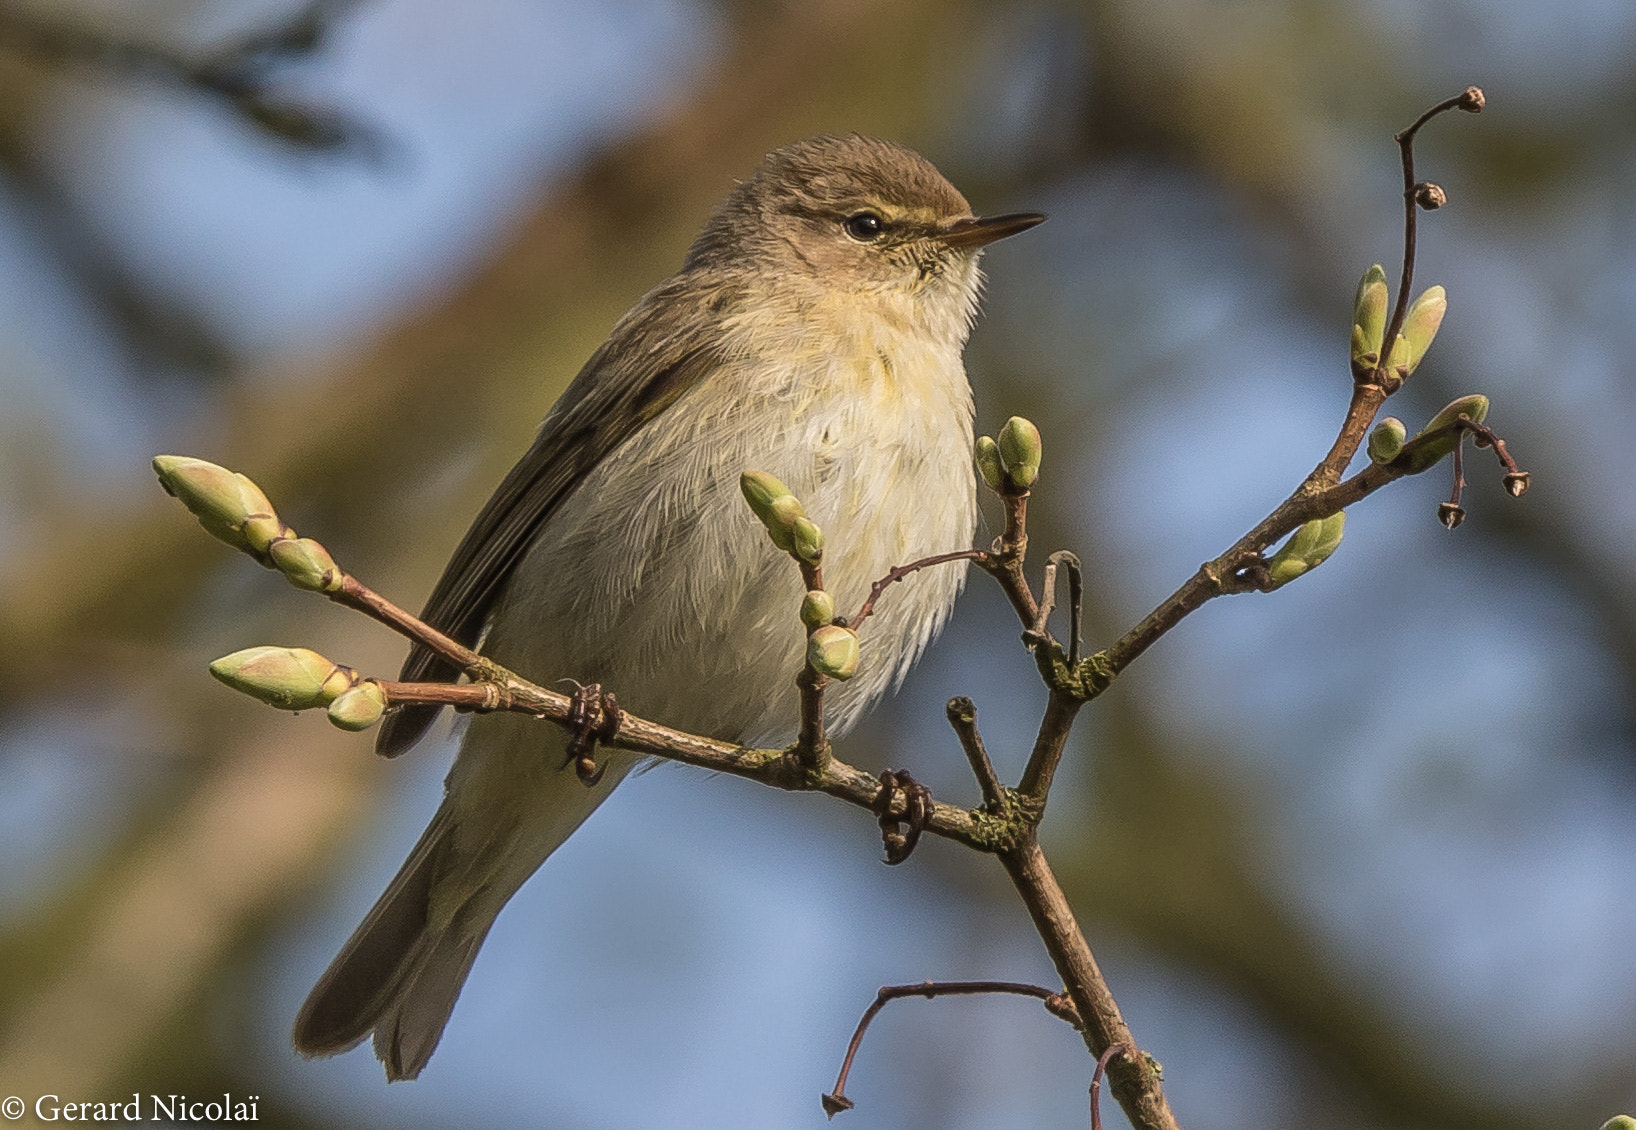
(409, 1029)
(392, 961)
(400, 973)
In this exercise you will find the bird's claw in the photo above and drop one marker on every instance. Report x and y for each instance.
(593, 716)
(900, 834)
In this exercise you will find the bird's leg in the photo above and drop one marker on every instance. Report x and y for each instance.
(900, 834)
(593, 716)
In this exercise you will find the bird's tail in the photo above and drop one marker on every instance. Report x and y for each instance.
(507, 807)
(398, 976)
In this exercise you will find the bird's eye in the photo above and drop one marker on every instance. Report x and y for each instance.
(864, 227)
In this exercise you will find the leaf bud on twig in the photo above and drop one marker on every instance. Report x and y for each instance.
(1368, 320)
(1308, 547)
(774, 505)
(1020, 452)
(1420, 325)
(987, 456)
(817, 608)
(833, 650)
(306, 564)
(807, 540)
(359, 707)
(1427, 454)
(223, 501)
(1386, 441)
(290, 678)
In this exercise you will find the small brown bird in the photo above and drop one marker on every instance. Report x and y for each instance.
(814, 331)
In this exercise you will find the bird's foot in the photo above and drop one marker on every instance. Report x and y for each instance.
(900, 834)
(593, 716)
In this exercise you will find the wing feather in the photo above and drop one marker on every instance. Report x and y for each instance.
(654, 355)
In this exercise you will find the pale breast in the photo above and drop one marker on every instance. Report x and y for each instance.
(655, 579)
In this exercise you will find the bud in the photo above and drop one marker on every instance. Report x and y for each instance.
(1420, 326)
(307, 564)
(222, 500)
(1472, 102)
(1386, 441)
(817, 608)
(1430, 196)
(1308, 547)
(1451, 514)
(1475, 407)
(833, 650)
(989, 464)
(807, 540)
(290, 678)
(774, 505)
(359, 707)
(1020, 452)
(1516, 484)
(1427, 454)
(1368, 320)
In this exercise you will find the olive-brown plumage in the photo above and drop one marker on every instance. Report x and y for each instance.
(814, 331)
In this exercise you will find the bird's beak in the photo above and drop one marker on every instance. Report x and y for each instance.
(982, 231)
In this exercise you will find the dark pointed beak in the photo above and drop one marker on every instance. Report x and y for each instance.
(982, 231)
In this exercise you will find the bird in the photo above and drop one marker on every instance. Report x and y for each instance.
(815, 331)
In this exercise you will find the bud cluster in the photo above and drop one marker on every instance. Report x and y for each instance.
(785, 518)
(234, 510)
(1426, 455)
(1308, 547)
(1420, 325)
(294, 678)
(1010, 464)
(832, 648)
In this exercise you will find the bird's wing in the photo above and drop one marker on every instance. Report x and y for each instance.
(651, 358)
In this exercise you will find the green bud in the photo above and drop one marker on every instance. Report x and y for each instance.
(1427, 454)
(1420, 326)
(1369, 319)
(1020, 452)
(774, 505)
(817, 608)
(1308, 547)
(833, 650)
(807, 540)
(989, 464)
(1398, 362)
(1386, 441)
(290, 678)
(1620, 1122)
(307, 564)
(222, 500)
(359, 707)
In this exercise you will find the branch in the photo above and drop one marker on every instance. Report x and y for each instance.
(238, 76)
(836, 1101)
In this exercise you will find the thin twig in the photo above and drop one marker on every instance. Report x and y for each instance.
(1370, 392)
(898, 572)
(1048, 600)
(1005, 562)
(1405, 144)
(461, 696)
(811, 743)
(836, 1101)
(1096, 1082)
(359, 597)
(962, 714)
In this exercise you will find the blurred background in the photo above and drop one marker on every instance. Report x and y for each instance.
(1356, 855)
